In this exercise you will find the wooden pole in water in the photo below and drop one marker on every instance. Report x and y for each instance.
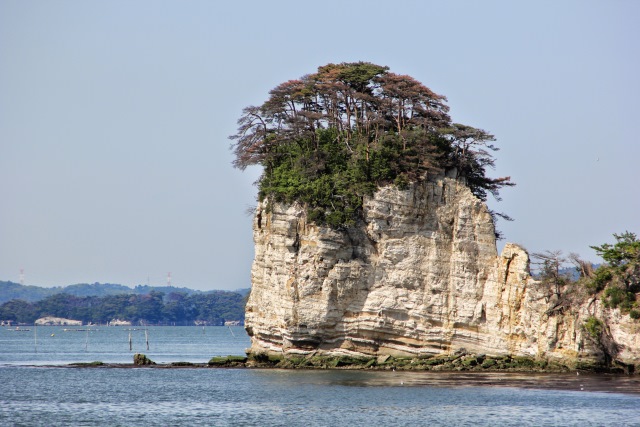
(35, 336)
(130, 343)
(146, 337)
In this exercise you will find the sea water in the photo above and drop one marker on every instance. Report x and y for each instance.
(58, 345)
(38, 388)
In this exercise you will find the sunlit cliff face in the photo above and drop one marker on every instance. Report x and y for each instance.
(419, 275)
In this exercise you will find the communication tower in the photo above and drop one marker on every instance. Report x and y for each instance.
(22, 276)
(169, 279)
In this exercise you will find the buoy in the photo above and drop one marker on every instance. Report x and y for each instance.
(53, 335)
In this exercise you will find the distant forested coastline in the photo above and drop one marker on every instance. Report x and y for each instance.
(102, 303)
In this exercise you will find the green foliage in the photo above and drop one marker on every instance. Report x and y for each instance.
(617, 297)
(330, 182)
(599, 281)
(140, 359)
(331, 138)
(623, 261)
(401, 182)
(594, 327)
(489, 363)
(227, 360)
(625, 250)
(619, 278)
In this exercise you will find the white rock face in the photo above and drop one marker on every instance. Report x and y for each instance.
(419, 276)
(57, 321)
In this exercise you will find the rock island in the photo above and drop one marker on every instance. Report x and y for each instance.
(373, 240)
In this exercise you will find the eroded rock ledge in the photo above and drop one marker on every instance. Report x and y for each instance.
(419, 276)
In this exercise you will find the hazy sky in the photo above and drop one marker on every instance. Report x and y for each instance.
(114, 117)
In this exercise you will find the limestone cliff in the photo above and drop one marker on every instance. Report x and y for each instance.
(420, 275)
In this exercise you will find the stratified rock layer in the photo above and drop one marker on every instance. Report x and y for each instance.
(420, 275)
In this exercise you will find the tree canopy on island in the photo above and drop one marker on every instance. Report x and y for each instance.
(620, 276)
(334, 136)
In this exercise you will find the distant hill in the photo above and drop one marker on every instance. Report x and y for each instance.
(11, 290)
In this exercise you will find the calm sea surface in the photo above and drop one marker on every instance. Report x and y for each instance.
(34, 394)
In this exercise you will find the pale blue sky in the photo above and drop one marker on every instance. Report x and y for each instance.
(114, 117)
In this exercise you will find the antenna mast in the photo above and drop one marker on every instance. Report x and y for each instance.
(169, 279)
(22, 276)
